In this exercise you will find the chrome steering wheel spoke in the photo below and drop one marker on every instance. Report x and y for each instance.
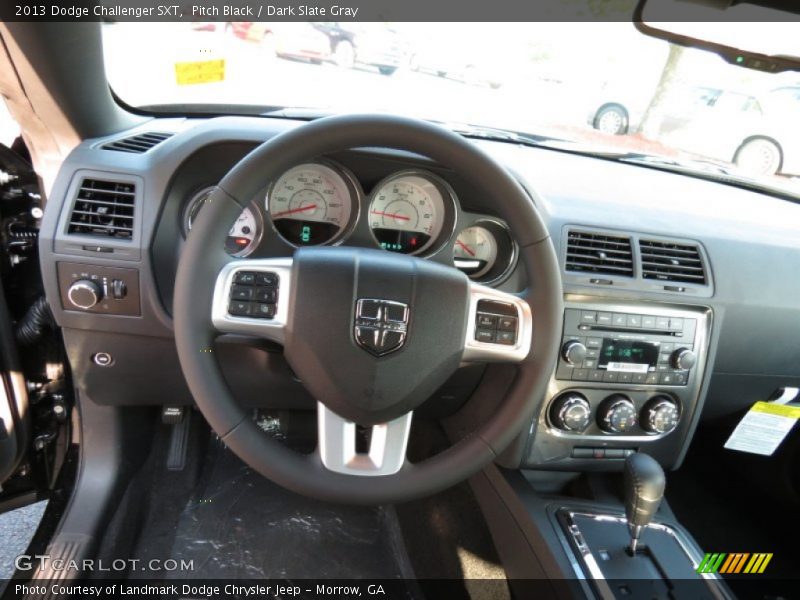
(500, 326)
(252, 297)
(385, 452)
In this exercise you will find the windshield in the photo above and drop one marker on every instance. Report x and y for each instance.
(604, 86)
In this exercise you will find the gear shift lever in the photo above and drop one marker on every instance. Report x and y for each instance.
(644, 489)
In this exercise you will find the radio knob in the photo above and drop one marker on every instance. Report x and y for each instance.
(573, 352)
(683, 358)
(616, 414)
(571, 412)
(660, 415)
(84, 293)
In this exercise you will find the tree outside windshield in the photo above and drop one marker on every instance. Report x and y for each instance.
(603, 85)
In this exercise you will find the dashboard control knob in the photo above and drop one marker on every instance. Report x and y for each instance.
(571, 412)
(683, 358)
(660, 415)
(573, 352)
(616, 414)
(85, 293)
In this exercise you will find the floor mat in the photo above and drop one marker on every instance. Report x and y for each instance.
(238, 524)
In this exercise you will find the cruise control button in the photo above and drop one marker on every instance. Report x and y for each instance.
(484, 335)
(242, 292)
(508, 338)
(239, 308)
(263, 310)
(268, 279)
(487, 321)
(266, 295)
(244, 278)
(507, 323)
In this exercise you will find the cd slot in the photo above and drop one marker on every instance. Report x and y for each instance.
(619, 328)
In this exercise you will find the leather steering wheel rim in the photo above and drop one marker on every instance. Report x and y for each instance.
(201, 261)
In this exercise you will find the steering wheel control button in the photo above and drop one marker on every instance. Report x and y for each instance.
(616, 414)
(244, 278)
(267, 279)
(242, 292)
(486, 321)
(103, 359)
(240, 308)
(571, 412)
(496, 322)
(380, 325)
(254, 294)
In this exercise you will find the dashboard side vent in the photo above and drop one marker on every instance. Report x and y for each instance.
(103, 208)
(590, 252)
(138, 144)
(668, 261)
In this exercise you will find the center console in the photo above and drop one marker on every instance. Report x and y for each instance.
(628, 378)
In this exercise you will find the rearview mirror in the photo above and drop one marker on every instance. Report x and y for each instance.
(755, 35)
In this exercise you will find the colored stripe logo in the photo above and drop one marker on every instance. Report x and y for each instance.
(735, 562)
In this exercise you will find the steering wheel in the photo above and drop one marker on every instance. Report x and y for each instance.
(371, 334)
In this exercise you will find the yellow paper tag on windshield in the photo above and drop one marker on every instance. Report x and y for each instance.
(205, 71)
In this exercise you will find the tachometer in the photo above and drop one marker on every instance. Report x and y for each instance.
(311, 204)
(245, 234)
(407, 212)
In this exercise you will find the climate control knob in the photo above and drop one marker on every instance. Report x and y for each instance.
(573, 352)
(683, 358)
(660, 415)
(84, 293)
(616, 414)
(571, 412)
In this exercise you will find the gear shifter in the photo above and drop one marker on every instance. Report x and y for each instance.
(644, 489)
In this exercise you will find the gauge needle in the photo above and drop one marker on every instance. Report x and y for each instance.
(465, 247)
(293, 211)
(391, 215)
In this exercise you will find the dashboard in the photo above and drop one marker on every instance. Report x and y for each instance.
(410, 211)
(681, 295)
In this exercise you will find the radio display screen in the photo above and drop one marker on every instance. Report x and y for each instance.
(628, 355)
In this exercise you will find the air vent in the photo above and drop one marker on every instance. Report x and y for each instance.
(599, 253)
(667, 261)
(103, 208)
(138, 143)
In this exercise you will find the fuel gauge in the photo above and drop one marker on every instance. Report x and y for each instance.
(485, 251)
(475, 251)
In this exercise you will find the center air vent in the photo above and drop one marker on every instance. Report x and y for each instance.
(589, 252)
(138, 144)
(667, 261)
(103, 208)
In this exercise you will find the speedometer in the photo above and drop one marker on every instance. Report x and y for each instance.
(311, 204)
(245, 234)
(407, 212)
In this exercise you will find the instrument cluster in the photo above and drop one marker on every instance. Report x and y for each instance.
(411, 211)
